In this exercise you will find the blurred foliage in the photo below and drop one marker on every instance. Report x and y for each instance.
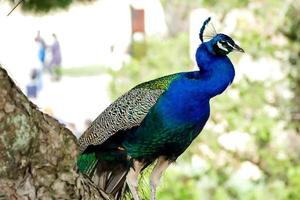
(292, 22)
(227, 5)
(292, 31)
(44, 6)
(262, 160)
(138, 49)
(91, 70)
(161, 58)
(223, 7)
(177, 14)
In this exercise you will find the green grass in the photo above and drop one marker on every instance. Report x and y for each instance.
(84, 71)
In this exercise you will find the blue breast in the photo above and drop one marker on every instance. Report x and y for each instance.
(184, 103)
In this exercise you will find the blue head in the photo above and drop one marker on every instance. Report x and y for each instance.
(220, 44)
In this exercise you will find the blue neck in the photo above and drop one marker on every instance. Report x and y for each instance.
(216, 72)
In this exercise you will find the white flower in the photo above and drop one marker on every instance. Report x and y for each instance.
(235, 141)
(249, 171)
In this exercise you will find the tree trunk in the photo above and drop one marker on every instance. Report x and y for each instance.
(37, 153)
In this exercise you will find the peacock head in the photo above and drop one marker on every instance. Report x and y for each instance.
(219, 44)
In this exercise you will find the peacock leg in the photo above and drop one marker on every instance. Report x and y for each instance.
(132, 178)
(161, 165)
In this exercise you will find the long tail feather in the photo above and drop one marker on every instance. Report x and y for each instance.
(108, 175)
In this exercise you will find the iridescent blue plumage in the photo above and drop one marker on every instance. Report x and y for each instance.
(182, 111)
(156, 120)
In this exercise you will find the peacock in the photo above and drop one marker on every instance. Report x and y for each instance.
(155, 122)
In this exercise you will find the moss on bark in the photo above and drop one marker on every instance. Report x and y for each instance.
(37, 153)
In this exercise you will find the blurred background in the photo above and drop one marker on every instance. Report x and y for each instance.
(73, 58)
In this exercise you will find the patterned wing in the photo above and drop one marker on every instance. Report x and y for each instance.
(126, 112)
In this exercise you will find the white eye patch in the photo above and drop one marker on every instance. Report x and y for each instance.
(221, 46)
(230, 45)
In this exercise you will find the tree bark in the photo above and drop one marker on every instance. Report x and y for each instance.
(37, 153)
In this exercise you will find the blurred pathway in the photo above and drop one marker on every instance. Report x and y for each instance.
(74, 100)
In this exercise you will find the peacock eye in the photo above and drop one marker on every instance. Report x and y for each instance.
(222, 46)
(223, 42)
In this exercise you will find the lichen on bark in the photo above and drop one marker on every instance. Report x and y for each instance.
(37, 153)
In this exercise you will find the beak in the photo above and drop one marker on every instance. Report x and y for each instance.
(238, 48)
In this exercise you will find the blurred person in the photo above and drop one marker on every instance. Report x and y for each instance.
(41, 50)
(55, 62)
(35, 84)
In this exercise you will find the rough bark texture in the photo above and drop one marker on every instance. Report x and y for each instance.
(37, 153)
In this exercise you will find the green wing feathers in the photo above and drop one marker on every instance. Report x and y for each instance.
(86, 163)
(126, 112)
(158, 84)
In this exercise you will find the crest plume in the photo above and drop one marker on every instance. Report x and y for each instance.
(203, 28)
